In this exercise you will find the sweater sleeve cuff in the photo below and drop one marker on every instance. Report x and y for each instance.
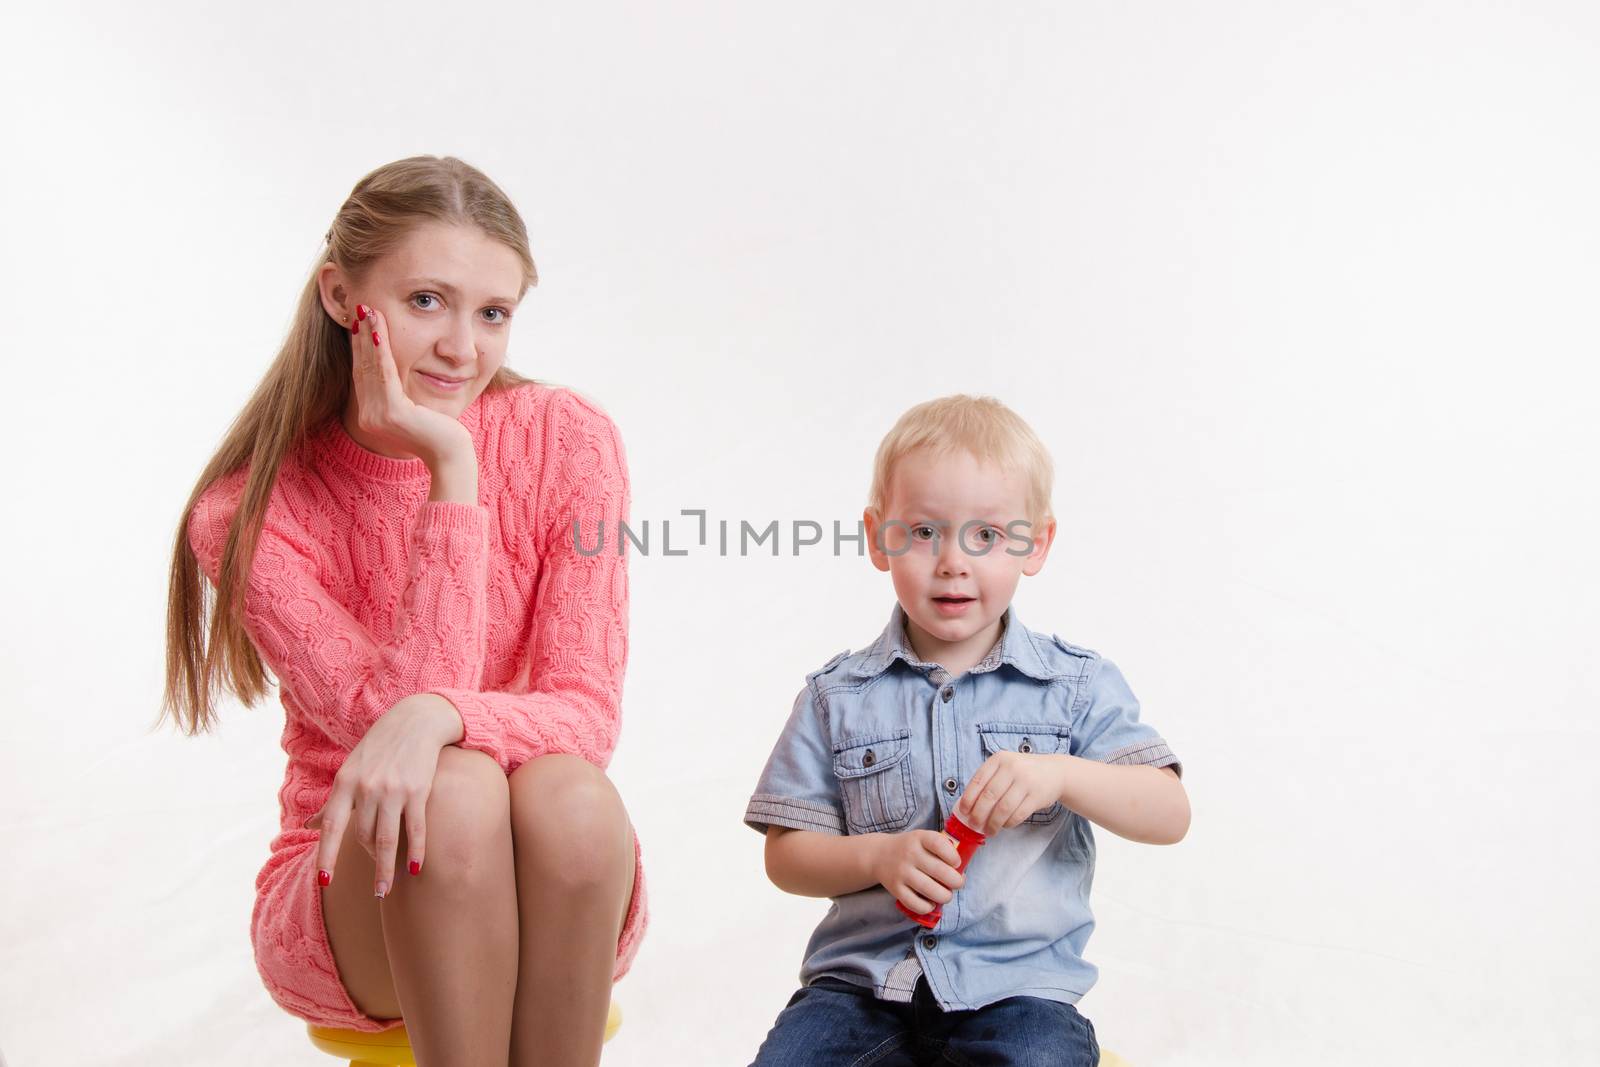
(437, 516)
(454, 535)
(480, 728)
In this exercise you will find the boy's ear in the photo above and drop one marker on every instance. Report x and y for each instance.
(1034, 562)
(869, 519)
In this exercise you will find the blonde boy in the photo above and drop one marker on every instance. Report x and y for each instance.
(956, 708)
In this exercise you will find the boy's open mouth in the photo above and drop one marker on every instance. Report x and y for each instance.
(953, 599)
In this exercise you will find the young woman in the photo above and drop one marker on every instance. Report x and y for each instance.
(403, 530)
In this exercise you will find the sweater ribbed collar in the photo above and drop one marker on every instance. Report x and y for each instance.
(335, 442)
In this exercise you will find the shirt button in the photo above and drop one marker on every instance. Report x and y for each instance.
(950, 786)
(929, 941)
(869, 759)
(948, 693)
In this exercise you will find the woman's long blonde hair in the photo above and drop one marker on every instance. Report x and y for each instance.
(307, 384)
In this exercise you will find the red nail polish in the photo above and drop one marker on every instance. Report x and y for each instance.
(375, 338)
(361, 312)
(414, 867)
(355, 327)
(323, 877)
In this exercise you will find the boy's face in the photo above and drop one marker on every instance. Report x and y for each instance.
(955, 583)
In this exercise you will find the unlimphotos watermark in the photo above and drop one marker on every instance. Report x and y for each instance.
(976, 537)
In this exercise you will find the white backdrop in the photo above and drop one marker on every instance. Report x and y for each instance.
(1301, 299)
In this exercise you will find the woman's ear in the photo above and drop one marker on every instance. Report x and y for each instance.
(338, 298)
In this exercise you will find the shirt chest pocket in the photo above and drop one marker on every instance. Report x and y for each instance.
(874, 775)
(1043, 738)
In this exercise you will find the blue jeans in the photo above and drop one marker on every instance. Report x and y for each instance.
(832, 1023)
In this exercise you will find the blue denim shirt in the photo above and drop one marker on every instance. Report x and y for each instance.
(879, 741)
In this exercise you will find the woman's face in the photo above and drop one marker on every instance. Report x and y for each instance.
(447, 294)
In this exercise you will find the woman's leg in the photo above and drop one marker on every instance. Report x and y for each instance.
(443, 943)
(575, 871)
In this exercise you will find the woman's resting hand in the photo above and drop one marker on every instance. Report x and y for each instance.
(387, 777)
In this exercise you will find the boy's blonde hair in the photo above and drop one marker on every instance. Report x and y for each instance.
(981, 425)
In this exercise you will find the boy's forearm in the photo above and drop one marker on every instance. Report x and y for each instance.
(814, 864)
(1141, 803)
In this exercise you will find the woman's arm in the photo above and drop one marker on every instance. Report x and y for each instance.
(570, 696)
(329, 663)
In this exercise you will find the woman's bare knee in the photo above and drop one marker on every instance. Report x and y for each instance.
(468, 818)
(562, 807)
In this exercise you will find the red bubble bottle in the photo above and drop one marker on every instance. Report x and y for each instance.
(967, 841)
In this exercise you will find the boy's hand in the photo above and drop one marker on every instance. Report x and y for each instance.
(918, 867)
(1009, 787)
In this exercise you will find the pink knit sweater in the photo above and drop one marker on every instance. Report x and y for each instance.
(364, 592)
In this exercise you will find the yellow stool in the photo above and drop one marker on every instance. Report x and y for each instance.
(392, 1048)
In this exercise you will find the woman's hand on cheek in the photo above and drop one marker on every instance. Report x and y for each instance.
(384, 408)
